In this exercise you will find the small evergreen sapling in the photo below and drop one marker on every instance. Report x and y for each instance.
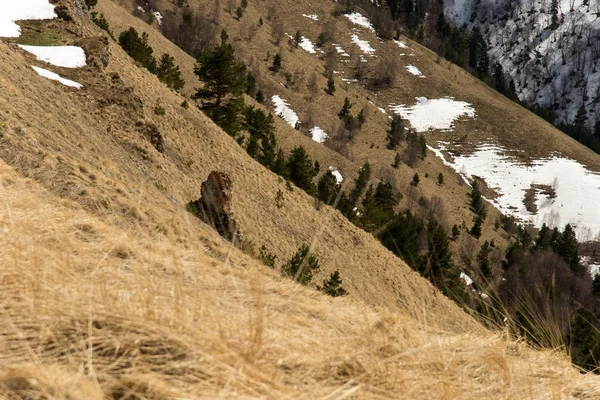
(415, 180)
(330, 85)
(397, 161)
(276, 63)
(333, 285)
(301, 266)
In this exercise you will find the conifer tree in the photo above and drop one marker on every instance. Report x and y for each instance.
(476, 229)
(302, 170)
(361, 117)
(345, 111)
(138, 48)
(554, 12)
(168, 72)
(301, 266)
(333, 286)
(455, 232)
(477, 203)
(440, 179)
(438, 261)
(397, 161)
(422, 146)
(330, 85)
(483, 260)
(568, 248)
(581, 117)
(224, 82)
(596, 284)
(297, 38)
(396, 132)
(415, 179)
(276, 63)
(328, 188)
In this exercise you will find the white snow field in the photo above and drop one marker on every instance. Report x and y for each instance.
(361, 20)
(16, 10)
(401, 44)
(307, 45)
(434, 113)
(61, 56)
(55, 77)
(283, 110)
(577, 189)
(338, 176)
(318, 134)
(364, 45)
(415, 71)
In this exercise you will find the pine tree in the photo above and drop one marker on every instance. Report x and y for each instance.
(476, 229)
(345, 111)
(396, 132)
(168, 72)
(499, 80)
(544, 238)
(397, 161)
(224, 82)
(483, 260)
(477, 203)
(438, 261)
(361, 117)
(475, 40)
(423, 146)
(378, 206)
(297, 39)
(483, 62)
(440, 179)
(330, 85)
(328, 188)
(415, 179)
(568, 248)
(455, 232)
(138, 48)
(333, 286)
(301, 266)
(276, 63)
(302, 170)
(402, 236)
(581, 117)
(260, 97)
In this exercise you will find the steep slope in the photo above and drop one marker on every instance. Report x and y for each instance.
(553, 66)
(111, 289)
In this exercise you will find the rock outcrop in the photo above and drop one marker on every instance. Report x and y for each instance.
(215, 206)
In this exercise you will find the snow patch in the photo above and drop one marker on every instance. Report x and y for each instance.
(307, 45)
(141, 9)
(283, 110)
(364, 45)
(338, 176)
(575, 188)
(314, 17)
(341, 51)
(415, 71)
(434, 113)
(17, 10)
(318, 134)
(466, 278)
(61, 56)
(361, 20)
(55, 77)
(159, 17)
(401, 44)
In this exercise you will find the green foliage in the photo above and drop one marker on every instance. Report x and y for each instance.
(567, 248)
(102, 23)
(91, 3)
(483, 260)
(596, 285)
(185, 104)
(137, 47)
(301, 266)
(330, 85)
(260, 97)
(440, 179)
(224, 82)
(159, 110)
(328, 188)
(250, 84)
(345, 111)
(397, 161)
(415, 179)
(438, 262)
(455, 232)
(378, 206)
(585, 339)
(266, 257)
(239, 13)
(402, 236)
(361, 117)
(347, 204)
(261, 128)
(279, 198)
(168, 72)
(476, 228)
(333, 286)
(396, 132)
(477, 203)
(276, 63)
(302, 170)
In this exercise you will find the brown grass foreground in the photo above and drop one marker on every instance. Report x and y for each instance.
(109, 289)
(171, 323)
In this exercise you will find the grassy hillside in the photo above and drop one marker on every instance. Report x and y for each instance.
(111, 288)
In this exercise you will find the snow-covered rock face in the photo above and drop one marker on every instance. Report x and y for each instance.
(16, 10)
(61, 56)
(434, 113)
(565, 191)
(552, 68)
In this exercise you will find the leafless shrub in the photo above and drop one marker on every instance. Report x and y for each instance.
(384, 75)
(277, 31)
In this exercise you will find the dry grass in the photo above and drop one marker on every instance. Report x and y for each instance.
(109, 288)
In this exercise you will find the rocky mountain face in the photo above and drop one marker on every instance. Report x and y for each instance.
(549, 48)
